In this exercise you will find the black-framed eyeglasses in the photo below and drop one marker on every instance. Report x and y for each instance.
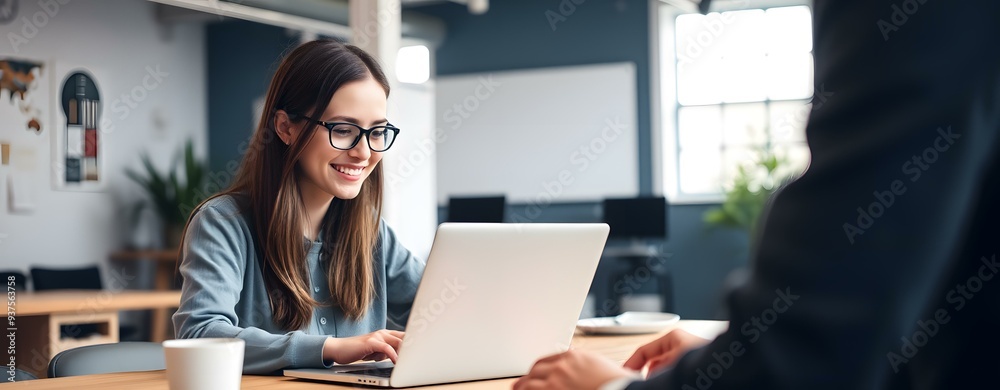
(345, 135)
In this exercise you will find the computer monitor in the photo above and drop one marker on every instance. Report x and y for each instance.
(634, 218)
(476, 209)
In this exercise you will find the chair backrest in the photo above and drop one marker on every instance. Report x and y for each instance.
(108, 358)
(636, 218)
(478, 209)
(21, 376)
(87, 278)
(20, 280)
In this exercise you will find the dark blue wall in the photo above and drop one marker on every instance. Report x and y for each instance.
(242, 57)
(518, 35)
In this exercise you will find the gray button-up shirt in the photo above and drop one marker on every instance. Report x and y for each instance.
(224, 295)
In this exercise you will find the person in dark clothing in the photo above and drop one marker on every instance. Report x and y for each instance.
(883, 255)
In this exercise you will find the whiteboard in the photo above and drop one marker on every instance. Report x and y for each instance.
(545, 135)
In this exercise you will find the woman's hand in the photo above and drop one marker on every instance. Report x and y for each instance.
(377, 345)
(664, 351)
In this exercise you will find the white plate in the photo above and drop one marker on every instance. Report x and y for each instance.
(631, 322)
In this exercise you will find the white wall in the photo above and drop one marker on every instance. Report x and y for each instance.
(543, 135)
(116, 40)
(410, 200)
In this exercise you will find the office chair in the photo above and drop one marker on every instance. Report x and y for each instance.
(107, 358)
(477, 209)
(87, 278)
(21, 376)
(635, 220)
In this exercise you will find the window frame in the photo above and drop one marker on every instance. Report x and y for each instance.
(664, 97)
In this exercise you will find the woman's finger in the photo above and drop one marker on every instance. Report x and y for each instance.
(393, 341)
(388, 351)
(375, 357)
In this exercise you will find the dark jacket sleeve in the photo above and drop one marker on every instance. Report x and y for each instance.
(859, 256)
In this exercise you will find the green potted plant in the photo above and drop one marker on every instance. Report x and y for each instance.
(747, 195)
(171, 196)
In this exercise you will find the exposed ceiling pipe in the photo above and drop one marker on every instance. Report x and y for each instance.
(327, 17)
(476, 7)
(414, 25)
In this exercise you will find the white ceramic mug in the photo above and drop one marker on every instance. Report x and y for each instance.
(208, 363)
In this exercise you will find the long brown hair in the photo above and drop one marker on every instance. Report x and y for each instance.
(304, 84)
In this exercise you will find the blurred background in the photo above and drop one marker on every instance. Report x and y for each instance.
(116, 116)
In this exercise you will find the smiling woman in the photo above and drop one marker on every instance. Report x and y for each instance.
(295, 250)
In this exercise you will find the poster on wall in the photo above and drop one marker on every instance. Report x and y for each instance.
(20, 82)
(24, 128)
(78, 155)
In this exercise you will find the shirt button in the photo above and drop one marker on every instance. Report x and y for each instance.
(316, 289)
(322, 320)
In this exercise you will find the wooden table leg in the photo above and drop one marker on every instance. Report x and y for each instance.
(164, 280)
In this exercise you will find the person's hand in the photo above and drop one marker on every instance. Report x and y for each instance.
(571, 370)
(664, 351)
(377, 345)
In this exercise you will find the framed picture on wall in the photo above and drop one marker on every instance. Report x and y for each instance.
(78, 153)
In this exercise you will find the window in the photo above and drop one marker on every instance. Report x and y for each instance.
(413, 64)
(743, 81)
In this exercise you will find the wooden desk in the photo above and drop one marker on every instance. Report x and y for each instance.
(39, 316)
(166, 263)
(617, 348)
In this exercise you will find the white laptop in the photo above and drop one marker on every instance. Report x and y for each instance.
(494, 298)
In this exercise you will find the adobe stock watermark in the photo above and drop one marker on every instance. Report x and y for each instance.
(633, 281)
(563, 11)
(715, 25)
(914, 169)
(380, 18)
(454, 116)
(581, 158)
(30, 27)
(11, 328)
(753, 330)
(958, 298)
(899, 15)
(423, 317)
(460, 111)
(126, 102)
(793, 121)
